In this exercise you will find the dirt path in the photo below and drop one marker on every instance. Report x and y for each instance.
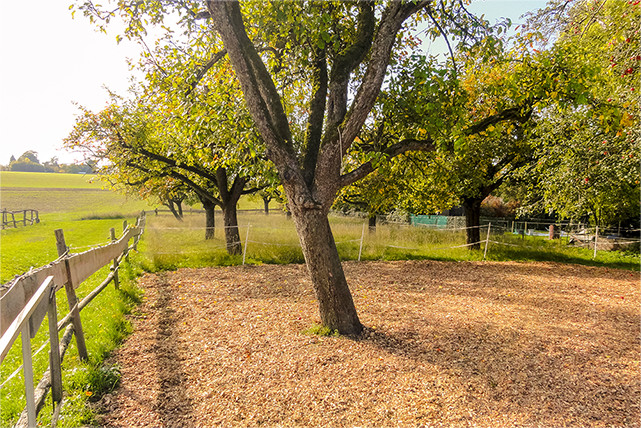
(446, 344)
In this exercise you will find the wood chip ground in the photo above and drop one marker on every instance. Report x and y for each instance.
(445, 344)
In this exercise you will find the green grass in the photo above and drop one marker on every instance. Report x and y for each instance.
(170, 244)
(103, 319)
(41, 180)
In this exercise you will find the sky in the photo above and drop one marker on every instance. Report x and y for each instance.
(48, 61)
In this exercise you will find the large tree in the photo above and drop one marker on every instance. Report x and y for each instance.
(345, 46)
(310, 73)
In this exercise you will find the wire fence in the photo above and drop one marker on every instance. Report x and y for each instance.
(259, 234)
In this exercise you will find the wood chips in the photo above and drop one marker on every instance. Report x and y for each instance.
(446, 344)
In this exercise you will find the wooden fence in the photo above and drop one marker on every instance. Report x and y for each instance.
(26, 300)
(28, 216)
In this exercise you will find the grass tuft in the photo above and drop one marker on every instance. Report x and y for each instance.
(321, 330)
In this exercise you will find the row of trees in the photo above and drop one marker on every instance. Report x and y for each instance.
(329, 102)
(29, 162)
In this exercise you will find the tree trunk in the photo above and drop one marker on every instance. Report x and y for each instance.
(372, 223)
(266, 201)
(210, 222)
(472, 208)
(180, 209)
(232, 237)
(171, 207)
(337, 310)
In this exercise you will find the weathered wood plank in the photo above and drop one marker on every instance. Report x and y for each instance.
(17, 293)
(22, 318)
(85, 264)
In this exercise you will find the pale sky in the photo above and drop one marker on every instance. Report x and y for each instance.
(49, 60)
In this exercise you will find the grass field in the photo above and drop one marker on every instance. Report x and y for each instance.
(85, 213)
(28, 180)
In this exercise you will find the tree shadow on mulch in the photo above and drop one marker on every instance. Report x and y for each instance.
(522, 373)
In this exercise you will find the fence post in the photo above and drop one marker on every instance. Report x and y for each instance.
(54, 356)
(596, 241)
(487, 240)
(13, 218)
(112, 233)
(27, 369)
(72, 300)
(245, 248)
(360, 250)
(124, 229)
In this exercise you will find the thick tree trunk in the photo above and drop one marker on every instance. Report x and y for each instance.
(472, 208)
(210, 222)
(337, 310)
(232, 237)
(266, 204)
(179, 204)
(372, 223)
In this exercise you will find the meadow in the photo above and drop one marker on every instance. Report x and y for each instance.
(86, 212)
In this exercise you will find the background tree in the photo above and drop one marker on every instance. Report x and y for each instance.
(589, 156)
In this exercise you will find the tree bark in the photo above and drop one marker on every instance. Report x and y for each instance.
(337, 310)
(210, 222)
(172, 208)
(266, 201)
(232, 237)
(472, 208)
(371, 220)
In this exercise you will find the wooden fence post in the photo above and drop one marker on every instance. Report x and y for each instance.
(112, 232)
(55, 368)
(27, 369)
(72, 299)
(13, 218)
(124, 229)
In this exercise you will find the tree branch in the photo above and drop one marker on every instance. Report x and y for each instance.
(404, 146)
(201, 73)
(317, 112)
(513, 113)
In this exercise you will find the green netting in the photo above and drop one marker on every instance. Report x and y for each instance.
(431, 220)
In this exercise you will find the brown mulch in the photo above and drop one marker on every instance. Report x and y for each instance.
(446, 344)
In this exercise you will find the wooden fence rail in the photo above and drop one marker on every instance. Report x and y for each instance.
(23, 307)
(28, 216)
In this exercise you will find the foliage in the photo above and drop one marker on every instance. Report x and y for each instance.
(589, 165)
